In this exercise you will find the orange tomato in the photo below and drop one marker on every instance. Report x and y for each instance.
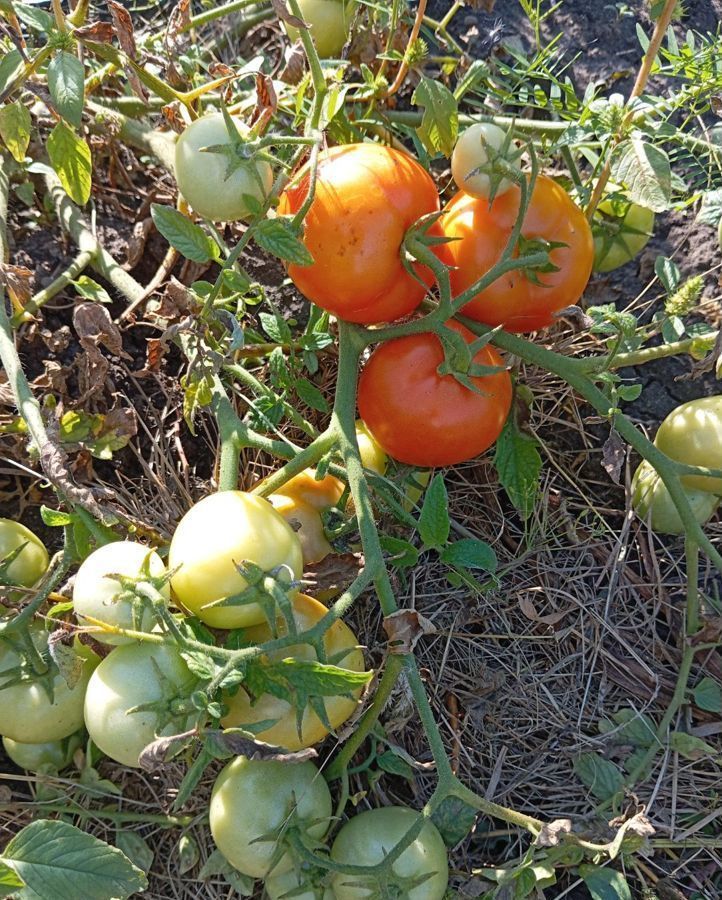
(367, 196)
(480, 232)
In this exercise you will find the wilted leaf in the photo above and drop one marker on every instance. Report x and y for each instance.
(233, 742)
(281, 10)
(69, 664)
(19, 282)
(405, 628)
(527, 606)
(163, 748)
(552, 833)
(126, 38)
(613, 455)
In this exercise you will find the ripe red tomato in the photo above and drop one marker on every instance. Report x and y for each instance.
(481, 232)
(426, 419)
(367, 196)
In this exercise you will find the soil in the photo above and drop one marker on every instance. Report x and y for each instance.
(529, 693)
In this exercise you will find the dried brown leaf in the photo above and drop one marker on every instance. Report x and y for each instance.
(281, 10)
(530, 611)
(94, 328)
(160, 750)
(405, 628)
(613, 455)
(123, 25)
(102, 32)
(240, 744)
(137, 242)
(266, 101)
(19, 282)
(553, 833)
(172, 115)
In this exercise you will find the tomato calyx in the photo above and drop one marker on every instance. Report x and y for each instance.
(459, 358)
(174, 704)
(268, 589)
(528, 246)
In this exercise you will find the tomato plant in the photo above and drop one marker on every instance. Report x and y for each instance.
(366, 198)
(307, 525)
(692, 434)
(288, 884)
(471, 152)
(254, 801)
(215, 183)
(519, 300)
(621, 229)
(328, 21)
(138, 693)
(426, 419)
(217, 535)
(651, 500)
(38, 709)
(342, 650)
(98, 595)
(46, 756)
(30, 564)
(420, 873)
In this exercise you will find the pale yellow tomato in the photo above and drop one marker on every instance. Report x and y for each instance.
(307, 524)
(472, 151)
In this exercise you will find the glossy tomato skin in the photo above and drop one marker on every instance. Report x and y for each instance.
(481, 231)
(367, 196)
(652, 502)
(215, 535)
(371, 452)
(307, 524)
(692, 434)
(472, 151)
(127, 678)
(31, 563)
(339, 639)
(252, 799)
(47, 756)
(329, 22)
(426, 419)
(369, 836)
(201, 174)
(97, 595)
(29, 716)
(320, 493)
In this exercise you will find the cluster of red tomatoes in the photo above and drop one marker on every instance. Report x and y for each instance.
(366, 198)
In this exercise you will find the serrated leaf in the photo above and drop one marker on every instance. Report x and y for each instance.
(691, 747)
(135, 848)
(518, 464)
(604, 883)
(644, 169)
(15, 127)
(434, 525)
(311, 395)
(71, 159)
(275, 327)
(66, 82)
(668, 273)
(708, 695)
(710, 210)
(278, 237)
(600, 775)
(57, 860)
(37, 19)
(440, 120)
(469, 553)
(188, 238)
(454, 819)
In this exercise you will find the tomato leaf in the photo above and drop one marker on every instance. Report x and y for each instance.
(135, 848)
(600, 775)
(668, 273)
(440, 120)
(55, 859)
(644, 169)
(394, 765)
(275, 327)
(70, 157)
(604, 883)
(518, 464)
(402, 554)
(708, 695)
(454, 818)
(15, 126)
(470, 553)
(279, 237)
(188, 238)
(310, 394)
(66, 82)
(434, 525)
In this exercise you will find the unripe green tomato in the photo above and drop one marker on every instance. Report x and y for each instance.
(217, 535)
(51, 755)
(370, 836)
(31, 563)
(133, 698)
(202, 175)
(96, 595)
(251, 803)
(27, 714)
(329, 22)
(621, 229)
(719, 233)
(692, 434)
(652, 502)
(278, 886)
(471, 152)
